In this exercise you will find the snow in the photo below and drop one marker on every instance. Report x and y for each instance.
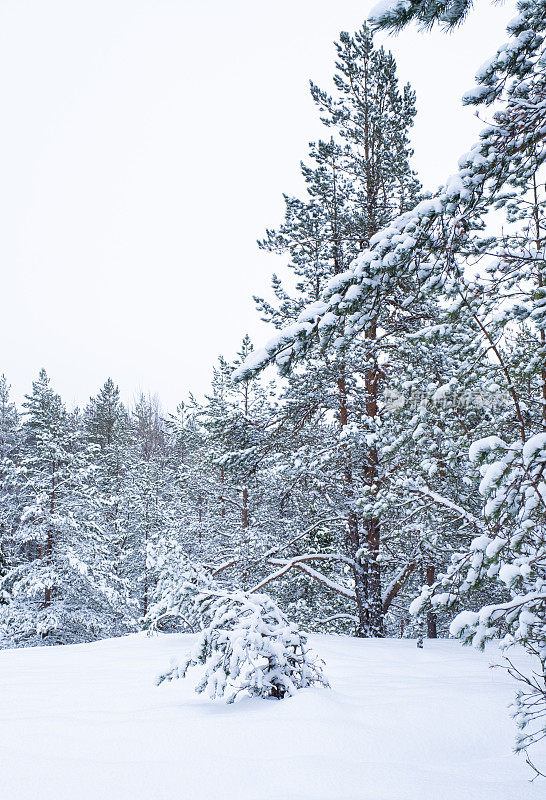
(386, 8)
(485, 446)
(491, 478)
(465, 619)
(533, 447)
(509, 573)
(87, 721)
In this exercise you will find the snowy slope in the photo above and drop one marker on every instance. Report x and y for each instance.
(86, 722)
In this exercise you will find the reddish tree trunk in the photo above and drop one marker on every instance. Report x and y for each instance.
(244, 514)
(431, 617)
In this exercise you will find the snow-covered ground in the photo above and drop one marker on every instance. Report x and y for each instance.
(87, 722)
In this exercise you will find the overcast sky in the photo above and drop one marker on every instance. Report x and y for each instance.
(145, 146)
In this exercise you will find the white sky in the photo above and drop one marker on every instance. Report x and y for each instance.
(145, 146)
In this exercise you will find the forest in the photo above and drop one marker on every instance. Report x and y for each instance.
(376, 469)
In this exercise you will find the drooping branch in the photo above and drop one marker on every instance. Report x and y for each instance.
(299, 562)
(225, 565)
(350, 617)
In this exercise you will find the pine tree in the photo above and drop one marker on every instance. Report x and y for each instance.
(144, 499)
(359, 180)
(10, 443)
(108, 436)
(249, 647)
(105, 417)
(235, 418)
(58, 586)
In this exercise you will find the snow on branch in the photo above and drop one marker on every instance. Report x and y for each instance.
(445, 502)
(299, 563)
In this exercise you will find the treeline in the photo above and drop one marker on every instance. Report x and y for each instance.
(107, 512)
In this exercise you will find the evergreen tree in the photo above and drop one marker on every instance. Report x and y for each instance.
(10, 443)
(58, 587)
(105, 417)
(358, 182)
(235, 418)
(248, 646)
(108, 435)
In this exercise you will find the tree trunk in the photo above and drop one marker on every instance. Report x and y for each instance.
(540, 281)
(371, 476)
(360, 573)
(146, 537)
(222, 483)
(49, 541)
(244, 514)
(431, 616)
(360, 569)
(375, 601)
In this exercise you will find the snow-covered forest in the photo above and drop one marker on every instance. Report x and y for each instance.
(374, 471)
